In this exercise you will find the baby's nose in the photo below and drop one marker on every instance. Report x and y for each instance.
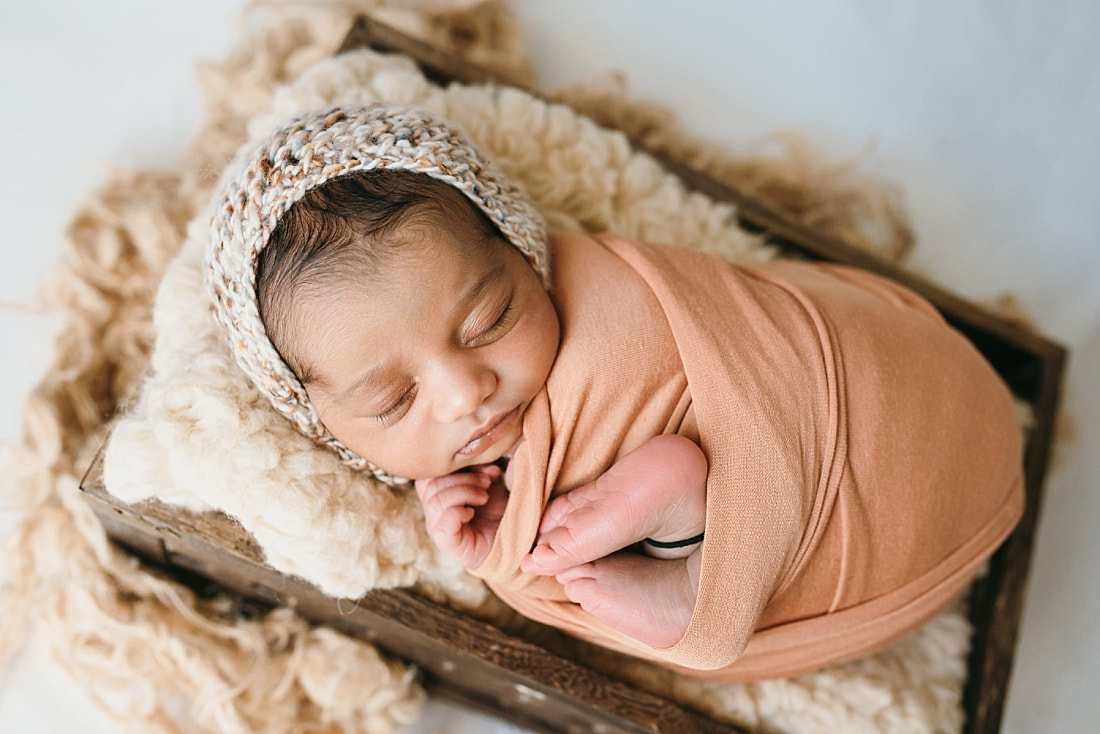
(468, 388)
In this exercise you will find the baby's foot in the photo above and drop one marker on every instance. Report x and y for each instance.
(648, 599)
(656, 492)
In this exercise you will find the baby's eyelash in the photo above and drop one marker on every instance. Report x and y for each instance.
(395, 411)
(502, 322)
(504, 318)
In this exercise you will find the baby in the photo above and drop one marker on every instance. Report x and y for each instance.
(401, 259)
(575, 411)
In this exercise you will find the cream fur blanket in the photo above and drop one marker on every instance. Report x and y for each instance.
(199, 436)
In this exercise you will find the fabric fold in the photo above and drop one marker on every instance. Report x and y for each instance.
(863, 456)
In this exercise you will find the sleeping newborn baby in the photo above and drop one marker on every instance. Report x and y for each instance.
(739, 472)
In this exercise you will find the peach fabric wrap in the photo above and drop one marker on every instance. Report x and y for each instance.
(864, 458)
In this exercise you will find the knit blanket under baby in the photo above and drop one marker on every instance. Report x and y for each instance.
(864, 459)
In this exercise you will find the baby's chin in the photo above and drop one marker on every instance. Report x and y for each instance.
(413, 474)
(511, 450)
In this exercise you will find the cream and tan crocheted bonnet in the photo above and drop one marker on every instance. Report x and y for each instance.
(303, 154)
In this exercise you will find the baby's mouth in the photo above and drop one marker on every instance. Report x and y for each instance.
(491, 433)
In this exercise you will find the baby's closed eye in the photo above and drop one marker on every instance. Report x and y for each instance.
(498, 325)
(396, 407)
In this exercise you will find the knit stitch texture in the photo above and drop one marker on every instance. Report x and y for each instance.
(306, 153)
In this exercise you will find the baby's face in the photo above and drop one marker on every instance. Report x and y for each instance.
(428, 366)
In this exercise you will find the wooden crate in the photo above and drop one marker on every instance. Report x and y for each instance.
(483, 666)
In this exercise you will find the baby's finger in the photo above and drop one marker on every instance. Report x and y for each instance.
(451, 524)
(435, 484)
(472, 494)
(492, 471)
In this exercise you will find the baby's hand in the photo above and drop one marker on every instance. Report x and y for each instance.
(463, 511)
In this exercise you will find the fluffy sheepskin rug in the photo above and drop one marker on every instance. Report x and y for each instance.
(197, 435)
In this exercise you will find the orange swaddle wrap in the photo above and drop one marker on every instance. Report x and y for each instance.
(864, 459)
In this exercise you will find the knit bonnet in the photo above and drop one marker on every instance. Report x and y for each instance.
(310, 150)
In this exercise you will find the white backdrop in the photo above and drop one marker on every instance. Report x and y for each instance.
(984, 113)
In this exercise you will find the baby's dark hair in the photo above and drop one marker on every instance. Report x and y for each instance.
(343, 229)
